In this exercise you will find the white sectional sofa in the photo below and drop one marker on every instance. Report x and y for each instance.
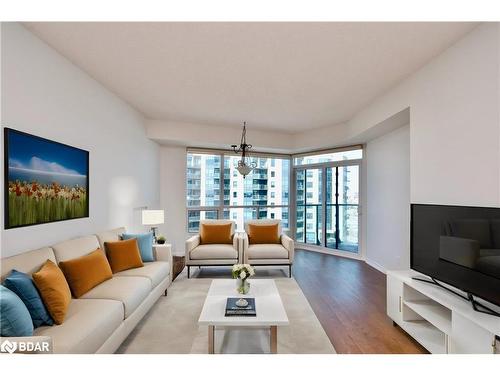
(100, 320)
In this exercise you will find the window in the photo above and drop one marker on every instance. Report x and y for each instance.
(212, 180)
(327, 199)
(340, 155)
(203, 180)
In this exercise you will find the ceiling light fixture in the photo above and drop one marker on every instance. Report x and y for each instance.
(243, 167)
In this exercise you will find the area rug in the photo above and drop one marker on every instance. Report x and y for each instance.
(171, 326)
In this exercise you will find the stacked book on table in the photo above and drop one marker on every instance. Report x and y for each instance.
(232, 309)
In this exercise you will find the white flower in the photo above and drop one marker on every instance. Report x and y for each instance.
(243, 274)
(251, 271)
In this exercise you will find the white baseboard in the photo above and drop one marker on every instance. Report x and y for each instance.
(375, 265)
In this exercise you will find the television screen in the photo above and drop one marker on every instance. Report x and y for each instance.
(459, 246)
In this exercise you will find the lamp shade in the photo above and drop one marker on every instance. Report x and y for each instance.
(152, 217)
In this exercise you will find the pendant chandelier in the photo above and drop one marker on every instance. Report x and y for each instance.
(243, 166)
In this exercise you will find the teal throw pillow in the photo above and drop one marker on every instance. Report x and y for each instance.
(22, 284)
(145, 242)
(15, 319)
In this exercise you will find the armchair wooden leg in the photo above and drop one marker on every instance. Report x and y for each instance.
(166, 292)
(188, 271)
(290, 270)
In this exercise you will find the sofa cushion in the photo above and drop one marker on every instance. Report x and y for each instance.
(267, 251)
(123, 255)
(489, 265)
(86, 272)
(27, 262)
(145, 242)
(214, 252)
(154, 271)
(54, 290)
(15, 319)
(495, 233)
(263, 234)
(131, 291)
(263, 222)
(22, 284)
(112, 235)
(75, 248)
(215, 233)
(473, 229)
(489, 252)
(88, 324)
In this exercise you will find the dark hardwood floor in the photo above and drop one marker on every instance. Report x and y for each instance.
(349, 299)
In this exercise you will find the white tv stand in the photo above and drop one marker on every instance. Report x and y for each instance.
(437, 319)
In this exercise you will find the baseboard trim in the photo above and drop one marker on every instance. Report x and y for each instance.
(375, 265)
(324, 250)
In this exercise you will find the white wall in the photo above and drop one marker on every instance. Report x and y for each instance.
(45, 94)
(455, 129)
(173, 195)
(388, 200)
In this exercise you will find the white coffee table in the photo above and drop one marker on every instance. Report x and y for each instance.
(268, 305)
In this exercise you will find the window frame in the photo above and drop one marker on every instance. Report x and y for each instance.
(326, 152)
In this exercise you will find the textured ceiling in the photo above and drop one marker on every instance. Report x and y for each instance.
(283, 76)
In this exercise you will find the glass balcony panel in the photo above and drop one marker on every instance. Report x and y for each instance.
(348, 228)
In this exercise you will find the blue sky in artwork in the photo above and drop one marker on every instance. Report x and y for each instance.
(38, 154)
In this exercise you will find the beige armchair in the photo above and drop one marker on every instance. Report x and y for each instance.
(198, 254)
(281, 254)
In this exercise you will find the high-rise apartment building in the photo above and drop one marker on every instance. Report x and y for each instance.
(264, 193)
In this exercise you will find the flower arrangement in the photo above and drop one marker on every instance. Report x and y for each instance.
(241, 272)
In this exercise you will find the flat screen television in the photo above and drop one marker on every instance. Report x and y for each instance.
(459, 246)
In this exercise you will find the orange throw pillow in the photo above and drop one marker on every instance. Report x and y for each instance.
(123, 255)
(262, 234)
(86, 272)
(54, 290)
(215, 234)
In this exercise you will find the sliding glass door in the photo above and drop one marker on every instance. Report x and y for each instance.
(327, 206)
(309, 202)
(342, 208)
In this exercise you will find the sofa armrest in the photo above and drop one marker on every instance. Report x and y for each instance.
(163, 253)
(237, 246)
(244, 247)
(461, 251)
(191, 244)
(288, 244)
(28, 344)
